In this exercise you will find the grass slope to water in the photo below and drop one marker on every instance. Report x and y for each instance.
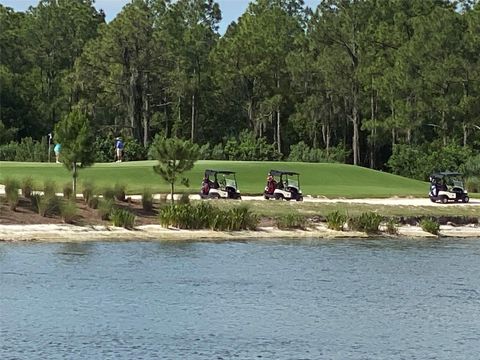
(330, 180)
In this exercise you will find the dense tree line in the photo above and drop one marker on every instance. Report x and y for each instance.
(362, 78)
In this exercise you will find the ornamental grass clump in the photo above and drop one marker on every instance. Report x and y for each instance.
(336, 220)
(206, 216)
(93, 202)
(27, 187)
(11, 192)
(123, 218)
(291, 221)
(430, 225)
(105, 208)
(147, 200)
(391, 226)
(120, 192)
(88, 192)
(184, 199)
(46, 205)
(68, 211)
(68, 191)
(236, 219)
(49, 187)
(108, 193)
(366, 222)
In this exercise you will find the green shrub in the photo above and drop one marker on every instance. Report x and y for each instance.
(290, 221)
(147, 200)
(27, 186)
(88, 192)
(68, 191)
(303, 152)
(105, 208)
(49, 187)
(391, 226)
(430, 225)
(46, 205)
(93, 202)
(123, 218)
(205, 216)
(119, 190)
(68, 211)
(336, 220)
(472, 184)
(26, 150)
(367, 222)
(108, 193)
(11, 192)
(184, 199)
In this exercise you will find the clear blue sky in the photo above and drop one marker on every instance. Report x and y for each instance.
(231, 9)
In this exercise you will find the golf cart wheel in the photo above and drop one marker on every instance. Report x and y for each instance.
(432, 199)
(278, 197)
(215, 196)
(300, 198)
(466, 199)
(444, 199)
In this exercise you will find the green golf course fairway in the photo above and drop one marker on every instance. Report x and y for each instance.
(330, 180)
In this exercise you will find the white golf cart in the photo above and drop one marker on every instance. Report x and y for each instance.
(220, 184)
(447, 186)
(283, 185)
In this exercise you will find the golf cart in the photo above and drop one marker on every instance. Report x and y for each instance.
(283, 185)
(447, 186)
(223, 186)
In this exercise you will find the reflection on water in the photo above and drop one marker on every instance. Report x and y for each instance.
(312, 299)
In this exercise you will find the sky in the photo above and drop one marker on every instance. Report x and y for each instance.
(231, 9)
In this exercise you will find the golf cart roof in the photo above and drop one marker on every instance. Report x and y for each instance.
(441, 175)
(213, 172)
(279, 173)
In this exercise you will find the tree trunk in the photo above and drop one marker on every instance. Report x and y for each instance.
(465, 134)
(374, 128)
(444, 129)
(74, 176)
(192, 134)
(146, 111)
(279, 140)
(171, 192)
(355, 120)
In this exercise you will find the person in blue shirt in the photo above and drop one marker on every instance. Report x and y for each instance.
(119, 149)
(57, 149)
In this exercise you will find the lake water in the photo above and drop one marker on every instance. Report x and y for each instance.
(319, 299)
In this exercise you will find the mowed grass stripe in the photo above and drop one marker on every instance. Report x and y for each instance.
(330, 180)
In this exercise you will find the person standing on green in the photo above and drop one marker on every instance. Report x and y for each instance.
(57, 149)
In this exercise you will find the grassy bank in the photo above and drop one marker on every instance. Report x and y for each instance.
(330, 180)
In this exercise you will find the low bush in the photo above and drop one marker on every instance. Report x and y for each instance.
(68, 191)
(184, 199)
(105, 208)
(27, 186)
(49, 187)
(123, 218)
(472, 184)
(119, 190)
(336, 220)
(68, 211)
(108, 193)
(147, 200)
(291, 221)
(391, 226)
(93, 202)
(366, 222)
(430, 225)
(11, 192)
(205, 216)
(46, 205)
(88, 192)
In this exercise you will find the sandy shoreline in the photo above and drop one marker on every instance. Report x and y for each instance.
(72, 233)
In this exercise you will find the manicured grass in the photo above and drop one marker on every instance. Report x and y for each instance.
(330, 180)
